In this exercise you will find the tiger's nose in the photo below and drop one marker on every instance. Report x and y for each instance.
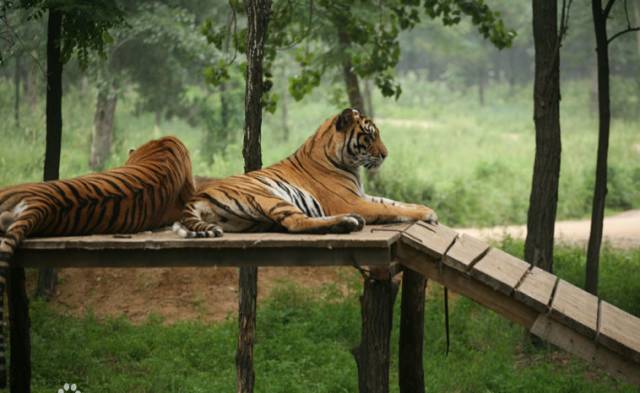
(383, 154)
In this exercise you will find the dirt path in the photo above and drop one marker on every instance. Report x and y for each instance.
(621, 230)
(210, 294)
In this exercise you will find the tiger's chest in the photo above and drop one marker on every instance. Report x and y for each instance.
(294, 195)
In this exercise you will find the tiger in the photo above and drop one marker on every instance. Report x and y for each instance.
(317, 189)
(148, 192)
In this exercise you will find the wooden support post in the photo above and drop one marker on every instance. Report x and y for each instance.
(247, 321)
(373, 354)
(410, 368)
(20, 325)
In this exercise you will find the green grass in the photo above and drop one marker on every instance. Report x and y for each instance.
(472, 163)
(304, 340)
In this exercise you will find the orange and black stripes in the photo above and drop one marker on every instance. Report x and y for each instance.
(149, 191)
(316, 189)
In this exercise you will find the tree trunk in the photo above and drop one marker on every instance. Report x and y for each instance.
(368, 99)
(47, 278)
(20, 326)
(284, 114)
(636, 14)
(350, 78)
(103, 126)
(17, 81)
(225, 108)
(546, 168)
(604, 118)
(373, 354)
(31, 83)
(258, 12)
(593, 93)
(410, 368)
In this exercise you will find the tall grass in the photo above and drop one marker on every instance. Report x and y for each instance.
(472, 163)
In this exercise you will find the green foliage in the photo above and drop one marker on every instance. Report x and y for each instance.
(85, 24)
(489, 23)
(304, 340)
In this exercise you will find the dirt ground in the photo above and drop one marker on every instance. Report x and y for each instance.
(210, 294)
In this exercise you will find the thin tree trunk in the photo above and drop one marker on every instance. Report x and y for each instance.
(258, 12)
(636, 14)
(47, 278)
(546, 168)
(225, 108)
(410, 367)
(31, 83)
(350, 78)
(368, 99)
(604, 119)
(593, 93)
(17, 81)
(103, 126)
(284, 114)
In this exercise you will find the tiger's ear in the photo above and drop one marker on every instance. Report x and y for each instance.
(345, 119)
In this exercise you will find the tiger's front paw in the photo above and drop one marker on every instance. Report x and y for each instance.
(361, 221)
(431, 217)
(348, 223)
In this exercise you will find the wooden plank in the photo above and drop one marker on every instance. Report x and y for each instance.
(536, 289)
(464, 252)
(202, 257)
(619, 331)
(562, 336)
(370, 236)
(500, 270)
(575, 308)
(466, 285)
(432, 239)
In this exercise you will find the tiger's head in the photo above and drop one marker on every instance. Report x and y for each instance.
(358, 140)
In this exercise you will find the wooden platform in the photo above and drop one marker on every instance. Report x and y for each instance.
(549, 307)
(372, 246)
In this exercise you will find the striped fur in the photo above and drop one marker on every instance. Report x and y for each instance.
(315, 190)
(148, 192)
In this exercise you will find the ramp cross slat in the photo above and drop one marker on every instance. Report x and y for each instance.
(619, 331)
(432, 239)
(500, 270)
(536, 289)
(575, 308)
(465, 252)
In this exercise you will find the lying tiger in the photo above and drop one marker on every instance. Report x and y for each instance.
(148, 192)
(315, 190)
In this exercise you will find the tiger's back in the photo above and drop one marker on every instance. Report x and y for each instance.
(148, 192)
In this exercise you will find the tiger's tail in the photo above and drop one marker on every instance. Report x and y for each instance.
(13, 236)
(192, 225)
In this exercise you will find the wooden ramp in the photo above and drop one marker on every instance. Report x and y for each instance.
(549, 307)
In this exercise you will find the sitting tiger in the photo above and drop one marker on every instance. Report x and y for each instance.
(149, 191)
(315, 190)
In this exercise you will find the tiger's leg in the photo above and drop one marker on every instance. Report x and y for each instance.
(16, 231)
(377, 210)
(294, 220)
(196, 222)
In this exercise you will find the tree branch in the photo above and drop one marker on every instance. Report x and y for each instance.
(625, 31)
(607, 8)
